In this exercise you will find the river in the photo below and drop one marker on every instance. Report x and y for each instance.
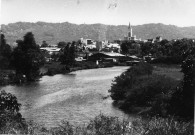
(76, 97)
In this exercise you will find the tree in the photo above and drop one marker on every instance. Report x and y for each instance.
(27, 58)
(5, 49)
(182, 102)
(146, 48)
(44, 44)
(10, 118)
(5, 53)
(62, 44)
(124, 48)
(68, 56)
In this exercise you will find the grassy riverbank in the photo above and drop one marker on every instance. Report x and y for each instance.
(58, 68)
(9, 77)
(107, 125)
(173, 71)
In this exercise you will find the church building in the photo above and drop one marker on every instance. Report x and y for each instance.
(130, 36)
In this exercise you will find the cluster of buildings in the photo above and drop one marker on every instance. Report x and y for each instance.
(98, 45)
(100, 49)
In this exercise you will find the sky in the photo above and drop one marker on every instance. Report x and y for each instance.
(113, 12)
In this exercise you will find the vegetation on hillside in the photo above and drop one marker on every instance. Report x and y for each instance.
(55, 32)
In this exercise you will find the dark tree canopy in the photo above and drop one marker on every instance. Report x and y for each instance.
(62, 44)
(5, 49)
(68, 56)
(44, 44)
(9, 112)
(27, 57)
(5, 53)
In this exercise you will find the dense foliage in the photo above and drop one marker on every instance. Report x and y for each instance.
(130, 47)
(151, 94)
(127, 80)
(68, 56)
(27, 58)
(168, 52)
(10, 118)
(5, 53)
(182, 102)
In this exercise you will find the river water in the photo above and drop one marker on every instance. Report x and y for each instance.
(76, 97)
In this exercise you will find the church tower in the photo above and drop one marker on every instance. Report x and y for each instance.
(130, 34)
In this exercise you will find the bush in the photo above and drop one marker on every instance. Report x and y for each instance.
(10, 118)
(138, 90)
(108, 125)
(146, 90)
(126, 80)
(162, 126)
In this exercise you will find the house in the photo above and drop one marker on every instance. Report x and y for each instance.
(110, 56)
(51, 53)
(51, 50)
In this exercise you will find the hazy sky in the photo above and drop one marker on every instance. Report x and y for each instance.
(114, 12)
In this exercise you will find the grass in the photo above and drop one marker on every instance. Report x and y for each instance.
(173, 71)
(107, 125)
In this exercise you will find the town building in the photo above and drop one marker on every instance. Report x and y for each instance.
(130, 36)
(111, 57)
(88, 43)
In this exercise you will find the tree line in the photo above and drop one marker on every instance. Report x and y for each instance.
(169, 52)
(27, 58)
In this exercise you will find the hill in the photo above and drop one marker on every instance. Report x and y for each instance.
(56, 32)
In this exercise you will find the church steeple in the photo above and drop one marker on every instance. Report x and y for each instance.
(129, 26)
(130, 31)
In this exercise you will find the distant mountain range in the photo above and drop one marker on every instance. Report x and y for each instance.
(56, 32)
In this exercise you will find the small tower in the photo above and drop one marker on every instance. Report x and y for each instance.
(130, 33)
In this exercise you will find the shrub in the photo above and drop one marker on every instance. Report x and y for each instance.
(162, 126)
(148, 91)
(126, 80)
(182, 102)
(108, 125)
(10, 118)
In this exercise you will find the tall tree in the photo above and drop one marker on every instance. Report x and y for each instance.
(182, 103)
(5, 49)
(5, 53)
(27, 57)
(68, 56)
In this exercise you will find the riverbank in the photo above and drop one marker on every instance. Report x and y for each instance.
(9, 76)
(135, 90)
(57, 68)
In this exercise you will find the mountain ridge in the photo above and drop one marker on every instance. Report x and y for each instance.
(65, 31)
